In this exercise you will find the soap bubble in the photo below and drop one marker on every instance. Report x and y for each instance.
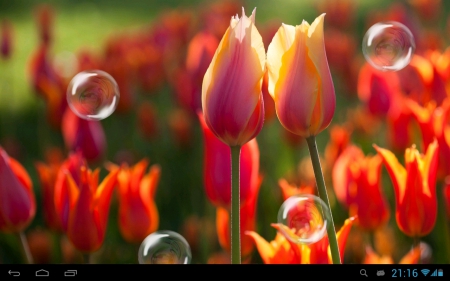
(164, 247)
(93, 95)
(388, 46)
(303, 219)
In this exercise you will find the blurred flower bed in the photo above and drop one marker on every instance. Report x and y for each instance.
(384, 156)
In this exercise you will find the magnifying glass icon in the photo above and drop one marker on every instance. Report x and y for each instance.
(363, 272)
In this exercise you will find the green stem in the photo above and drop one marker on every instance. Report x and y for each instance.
(324, 196)
(57, 252)
(235, 206)
(416, 244)
(87, 258)
(26, 248)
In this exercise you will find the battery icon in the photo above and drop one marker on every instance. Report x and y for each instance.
(440, 272)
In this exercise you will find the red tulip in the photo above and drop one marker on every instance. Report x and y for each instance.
(71, 165)
(138, 214)
(200, 52)
(357, 184)
(217, 168)
(88, 211)
(84, 135)
(17, 200)
(415, 188)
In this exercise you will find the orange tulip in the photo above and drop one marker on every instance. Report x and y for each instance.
(88, 208)
(415, 188)
(412, 257)
(47, 175)
(17, 201)
(432, 121)
(289, 190)
(356, 180)
(300, 82)
(138, 215)
(232, 98)
(283, 251)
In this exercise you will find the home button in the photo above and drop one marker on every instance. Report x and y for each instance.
(42, 273)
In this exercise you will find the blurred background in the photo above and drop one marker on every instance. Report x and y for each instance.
(149, 41)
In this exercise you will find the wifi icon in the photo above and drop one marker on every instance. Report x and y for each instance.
(425, 272)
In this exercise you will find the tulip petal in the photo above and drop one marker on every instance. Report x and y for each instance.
(317, 53)
(265, 250)
(395, 170)
(102, 197)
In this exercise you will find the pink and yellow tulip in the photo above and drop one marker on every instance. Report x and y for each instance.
(232, 98)
(299, 78)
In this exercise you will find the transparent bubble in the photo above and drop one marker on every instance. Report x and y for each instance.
(164, 247)
(93, 95)
(388, 46)
(303, 219)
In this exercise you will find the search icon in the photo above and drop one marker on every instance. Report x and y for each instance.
(363, 272)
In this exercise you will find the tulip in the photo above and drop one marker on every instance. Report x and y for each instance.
(47, 175)
(217, 168)
(339, 140)
(45, 18)
(415, 188)
(71, 165)
(17, 200)
(378, 90)
(432, 122)
(299, 78)
(283, 251)
(6, 39)
(356, 179)
(48, 85)
(232, 99)
(188, 79)
(87, 216)
(85, 135)
(138, 215)
(412, 257)
(301, 86)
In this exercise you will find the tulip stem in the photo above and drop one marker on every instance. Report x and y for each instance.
(87, 258)
(235, 206)
(334, 247)
(26, 248)
(416, 247)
